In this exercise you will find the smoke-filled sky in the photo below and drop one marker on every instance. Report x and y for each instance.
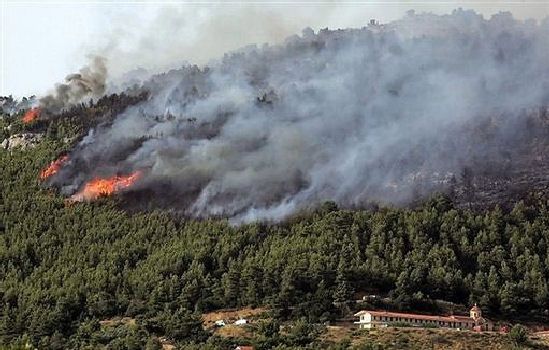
(43, 41)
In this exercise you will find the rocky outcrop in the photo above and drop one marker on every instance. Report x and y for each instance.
(22, 141)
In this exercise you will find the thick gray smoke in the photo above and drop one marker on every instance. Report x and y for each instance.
(347, 115)
(90, 82)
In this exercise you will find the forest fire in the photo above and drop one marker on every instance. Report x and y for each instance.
(31, 115)
(105, 187)
(53, 168)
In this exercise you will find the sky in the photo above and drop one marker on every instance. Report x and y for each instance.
(43, 41)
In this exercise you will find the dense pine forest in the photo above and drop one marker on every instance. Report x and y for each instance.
(67, 266)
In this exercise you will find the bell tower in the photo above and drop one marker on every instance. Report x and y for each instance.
(475, 312)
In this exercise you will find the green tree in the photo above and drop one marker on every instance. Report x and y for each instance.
(184, 326)
(519, 334)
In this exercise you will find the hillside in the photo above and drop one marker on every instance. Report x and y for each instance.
(406, 162)
(382, 114)
(67, 266)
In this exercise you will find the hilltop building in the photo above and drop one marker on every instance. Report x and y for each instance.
(475, 321)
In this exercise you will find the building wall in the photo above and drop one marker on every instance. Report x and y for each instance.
(369, 321)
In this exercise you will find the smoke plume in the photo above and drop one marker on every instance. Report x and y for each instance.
(352, 115)
(89, 82)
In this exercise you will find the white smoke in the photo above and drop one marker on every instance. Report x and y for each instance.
(335, 115)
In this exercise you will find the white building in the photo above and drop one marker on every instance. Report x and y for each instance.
(373, 319)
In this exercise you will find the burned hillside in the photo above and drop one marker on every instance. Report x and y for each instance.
(507, 174)
(382, 114)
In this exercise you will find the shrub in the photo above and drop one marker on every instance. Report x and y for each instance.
(519, 334)
(401, 324)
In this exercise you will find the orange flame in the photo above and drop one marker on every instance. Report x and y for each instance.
(105, 187)
(53, 168)
(31, 115)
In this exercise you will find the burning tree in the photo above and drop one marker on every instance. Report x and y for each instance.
(105, 187)
(53, 168)
(31, 115)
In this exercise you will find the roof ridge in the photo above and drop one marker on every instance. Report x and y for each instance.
(412, 315)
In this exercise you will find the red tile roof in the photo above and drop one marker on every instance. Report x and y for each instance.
(451, 318)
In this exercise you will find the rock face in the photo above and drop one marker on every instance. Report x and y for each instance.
(21, 141)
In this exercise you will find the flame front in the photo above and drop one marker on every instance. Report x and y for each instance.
(31, 115)
(105, 187)
(53, 168)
